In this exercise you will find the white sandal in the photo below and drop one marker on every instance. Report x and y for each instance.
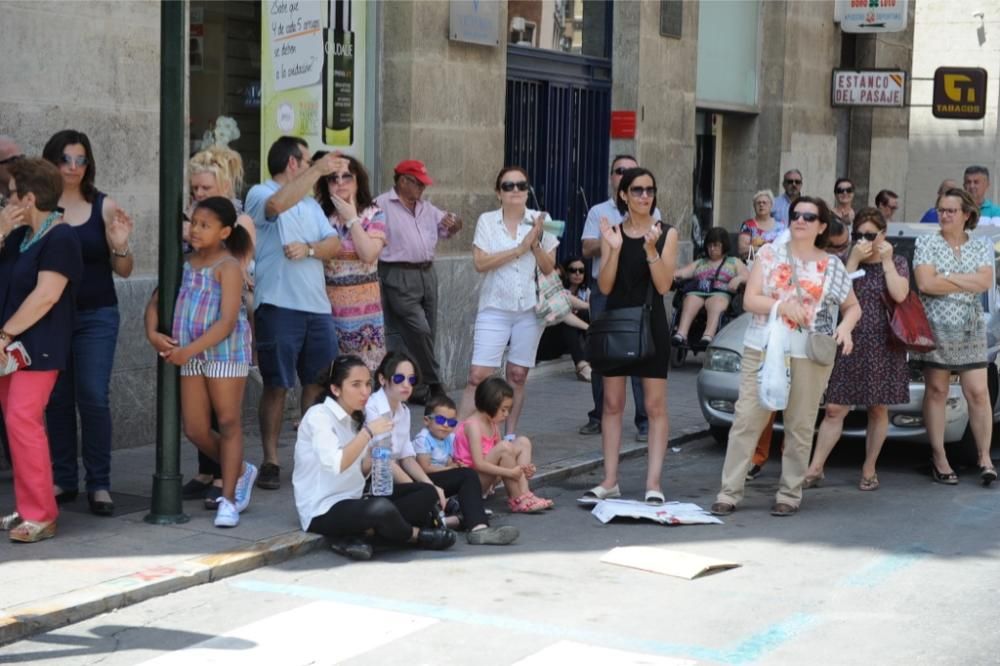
(597, 494)
(655, 498)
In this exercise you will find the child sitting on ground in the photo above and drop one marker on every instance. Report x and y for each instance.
(436, 442)
(478, 445)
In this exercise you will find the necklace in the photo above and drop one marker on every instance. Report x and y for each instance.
(42, 228)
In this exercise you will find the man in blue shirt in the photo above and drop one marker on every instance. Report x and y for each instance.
(931, 214)
(293, 321)
(977, 183)
(792, 182)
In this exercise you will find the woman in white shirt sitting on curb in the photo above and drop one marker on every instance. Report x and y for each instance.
(509, 247)
(332, 461)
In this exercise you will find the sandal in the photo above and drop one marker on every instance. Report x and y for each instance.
(654, 498)
(782, 510)
(524, 504)
(868, 482)
(722, 509)
(599, 493)
(949, 479)
(31, 531)
(706, 340)
(10, 521)
(679, 339)
(987, 474)
(812, 481)
(544, 502)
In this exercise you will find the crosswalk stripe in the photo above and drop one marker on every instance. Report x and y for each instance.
(580, 654)
(322, 632)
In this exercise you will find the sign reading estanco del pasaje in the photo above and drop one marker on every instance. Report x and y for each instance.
(869, 87)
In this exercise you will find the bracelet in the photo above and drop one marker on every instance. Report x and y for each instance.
(368, 430)
(124, 253)
(653, 260)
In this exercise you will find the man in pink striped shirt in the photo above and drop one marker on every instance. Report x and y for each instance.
(406, 267)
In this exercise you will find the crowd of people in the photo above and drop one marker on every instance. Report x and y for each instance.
(319, 283)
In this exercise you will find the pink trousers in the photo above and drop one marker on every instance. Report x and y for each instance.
(23, 396)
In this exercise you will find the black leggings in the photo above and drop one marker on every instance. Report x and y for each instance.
(393, 518)
(464, 482)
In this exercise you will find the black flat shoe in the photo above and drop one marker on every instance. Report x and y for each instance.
(194, 489)
(949, 479)
(66, 496)
(353, 548)
(99, 508)
(988, 475)
(436, 538)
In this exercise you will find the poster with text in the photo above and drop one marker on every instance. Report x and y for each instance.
(313, 73)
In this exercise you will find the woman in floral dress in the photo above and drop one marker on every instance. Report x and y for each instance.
(875, 374)
(352, 276)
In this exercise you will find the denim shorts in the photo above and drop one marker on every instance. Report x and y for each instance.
(293, 342)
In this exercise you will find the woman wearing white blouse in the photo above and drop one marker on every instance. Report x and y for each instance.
(509, 247)
(332, 461)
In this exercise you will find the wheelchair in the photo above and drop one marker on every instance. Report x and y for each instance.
(694, 344)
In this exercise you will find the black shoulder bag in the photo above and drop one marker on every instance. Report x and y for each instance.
(621, 337)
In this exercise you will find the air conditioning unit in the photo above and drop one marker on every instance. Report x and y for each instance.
(522, 31)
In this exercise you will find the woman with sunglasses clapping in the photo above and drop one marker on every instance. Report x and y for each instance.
(352, 276)
(508, 248)
(104, 230)
(806, 286)
(874, 375)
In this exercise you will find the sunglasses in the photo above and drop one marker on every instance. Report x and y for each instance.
(12, 158)
(443, 421)
(340, 178)
(866, 235)
(79, 160)
(412, 181)
(510, 186)
(844, 190)
(399, 379)
(808, 217)
(793, 182)
(572, 269)
(620, 171)
(638, 191)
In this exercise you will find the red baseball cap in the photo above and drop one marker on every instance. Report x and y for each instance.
(414, 168)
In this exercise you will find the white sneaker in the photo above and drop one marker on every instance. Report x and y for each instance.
(226, 515)
(244, 486)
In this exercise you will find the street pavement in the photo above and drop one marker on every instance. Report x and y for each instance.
(94, 565)
(902, 576)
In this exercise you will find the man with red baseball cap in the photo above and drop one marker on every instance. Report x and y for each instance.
(406, 268)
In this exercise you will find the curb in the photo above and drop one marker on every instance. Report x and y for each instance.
(18, 622)
(24, 620)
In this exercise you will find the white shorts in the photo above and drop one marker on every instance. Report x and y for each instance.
(495, 328)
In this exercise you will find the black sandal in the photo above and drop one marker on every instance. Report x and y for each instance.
(988, 475)
(949, 479)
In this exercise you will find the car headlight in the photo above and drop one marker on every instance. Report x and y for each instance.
(722, 360)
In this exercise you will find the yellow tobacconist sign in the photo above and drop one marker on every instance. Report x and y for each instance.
(959, 93)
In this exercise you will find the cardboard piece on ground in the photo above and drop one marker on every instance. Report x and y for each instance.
(671, 513)
(668, 562)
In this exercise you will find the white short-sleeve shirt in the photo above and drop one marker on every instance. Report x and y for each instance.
(511, 286)
(377, 405)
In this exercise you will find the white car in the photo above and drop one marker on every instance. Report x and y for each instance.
(719, 379)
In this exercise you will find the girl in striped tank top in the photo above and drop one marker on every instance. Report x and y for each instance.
(211, 345)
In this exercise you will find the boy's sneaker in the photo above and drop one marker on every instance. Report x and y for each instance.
(753, 472)
(244, 486)
(226, 515)
(212, 497)
(493, 536)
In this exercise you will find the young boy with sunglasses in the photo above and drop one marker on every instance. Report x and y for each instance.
(435, 443)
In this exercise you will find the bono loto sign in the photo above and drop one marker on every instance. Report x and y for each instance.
(869, 87)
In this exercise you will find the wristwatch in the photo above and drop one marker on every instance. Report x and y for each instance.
(312, 250)
(350, 223)
(124, 253)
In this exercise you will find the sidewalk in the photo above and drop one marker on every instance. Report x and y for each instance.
(95, 565)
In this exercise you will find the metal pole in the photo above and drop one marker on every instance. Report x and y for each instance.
(165, 507)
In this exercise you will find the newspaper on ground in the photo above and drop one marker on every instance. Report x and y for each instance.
(670, 513)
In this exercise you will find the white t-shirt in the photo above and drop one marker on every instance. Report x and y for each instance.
(377, 405)
(512, 286)
(317, 480)
(592, 226)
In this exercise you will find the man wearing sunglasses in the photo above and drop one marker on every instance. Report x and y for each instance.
(592, 249)
(792, 182)
(887, 203)
(413, 227)
(9, 152)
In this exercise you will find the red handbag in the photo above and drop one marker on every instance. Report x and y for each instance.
(908, 325)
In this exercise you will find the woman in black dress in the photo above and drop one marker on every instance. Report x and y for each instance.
(638, 260)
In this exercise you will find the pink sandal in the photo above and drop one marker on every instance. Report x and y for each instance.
(526, 503)
(544, 502)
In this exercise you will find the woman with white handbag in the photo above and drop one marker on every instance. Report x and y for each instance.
(805, 287)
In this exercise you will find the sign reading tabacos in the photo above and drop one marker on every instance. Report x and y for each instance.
(875, 87)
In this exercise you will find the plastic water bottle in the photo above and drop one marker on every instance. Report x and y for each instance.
(381, 470)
